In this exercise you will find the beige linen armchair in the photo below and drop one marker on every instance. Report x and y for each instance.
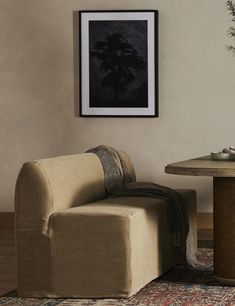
(73, 242)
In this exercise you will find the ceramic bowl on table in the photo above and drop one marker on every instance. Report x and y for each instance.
(222, 156)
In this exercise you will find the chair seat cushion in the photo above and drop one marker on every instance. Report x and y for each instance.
(112, 247)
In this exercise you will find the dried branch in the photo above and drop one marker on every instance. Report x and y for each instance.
(231, 49)
(231, 8)
(231, 31)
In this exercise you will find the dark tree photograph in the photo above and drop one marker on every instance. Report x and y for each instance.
(118, 63)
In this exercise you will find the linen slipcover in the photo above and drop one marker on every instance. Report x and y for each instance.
(72, 242)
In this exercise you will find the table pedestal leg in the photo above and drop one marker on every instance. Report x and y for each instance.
(224, 229)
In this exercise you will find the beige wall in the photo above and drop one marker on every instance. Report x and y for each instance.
(197, 90)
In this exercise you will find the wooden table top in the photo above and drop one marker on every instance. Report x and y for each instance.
(202, 166)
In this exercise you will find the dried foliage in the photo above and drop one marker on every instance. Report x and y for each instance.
(231, 31)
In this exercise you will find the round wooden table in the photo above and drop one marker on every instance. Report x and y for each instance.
(223, 173)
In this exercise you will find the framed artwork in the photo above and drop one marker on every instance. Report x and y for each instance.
(118, 63)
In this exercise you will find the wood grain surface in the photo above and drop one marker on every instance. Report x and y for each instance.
(202, 166)
(7, 220)
(224, 228)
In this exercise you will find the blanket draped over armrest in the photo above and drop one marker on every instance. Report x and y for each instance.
(119, 182)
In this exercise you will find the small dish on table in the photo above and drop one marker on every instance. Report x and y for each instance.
(222, 156)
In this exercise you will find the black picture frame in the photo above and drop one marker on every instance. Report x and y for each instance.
(118, 63)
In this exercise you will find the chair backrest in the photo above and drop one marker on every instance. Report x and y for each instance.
(74, 179)
(49, 185)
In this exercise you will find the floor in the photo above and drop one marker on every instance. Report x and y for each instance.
(205, 234)
(7, 258)
(7, 261)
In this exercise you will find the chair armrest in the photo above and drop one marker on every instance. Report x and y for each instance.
(33, 198)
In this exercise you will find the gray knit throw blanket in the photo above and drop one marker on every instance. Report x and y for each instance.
(119, 182)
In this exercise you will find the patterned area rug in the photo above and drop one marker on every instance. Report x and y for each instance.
(177, 287)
